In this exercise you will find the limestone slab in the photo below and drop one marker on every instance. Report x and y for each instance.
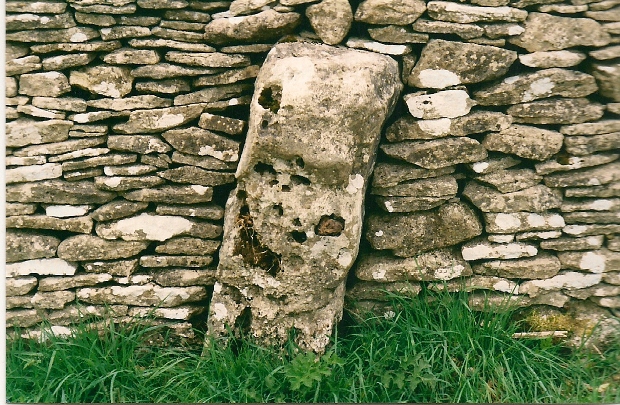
(205, 211)
(438, 153)
(521, 222)
(188, 246)
(574, 162)
(551, 59)
(384, 12)
(159, 119)
(78, 224)
(229, 76)
(493, 163)
(507, 181)
(170, 86)
(607, 76)
(124, 183)
(604, 126)
(595, 176)
(156, 261)
(173, 194)
(95, 46)
(482, 249)
(391, 174)
(331, 20)
(465, 13)
(142, 295)
(167, 70)
(114, 267)
(89, 247)
(48, 84)
(19, 66)
(397, 34)
(570, 280)
(525, 141)
(102, 160)
(264, 26)
(206, 162)
(141, 144)
(446, 103)
(586, 145)
(170, 43)
(195, 175)
(198, 141)
(74, 34)
(588, 217)
(58, 148)
(58, 192)
(43, 267)
(184, 277)
(211, 94)
(538, 198)
(541, 266)
(20, 285)
(110, 81)
(557, 111)
(35, 7)
(26, 245)
(66, 211)
(24, 131)
(60, 103)
(465, 31)
(128, 56)
(434, 70)
(33, 173)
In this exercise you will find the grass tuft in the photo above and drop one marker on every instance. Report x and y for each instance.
(434, 349)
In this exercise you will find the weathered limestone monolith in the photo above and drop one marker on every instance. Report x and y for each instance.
(293, 224)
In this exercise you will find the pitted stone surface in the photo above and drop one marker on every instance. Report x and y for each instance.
(299, 199)
(525, 141)
(264, 26)
(24, 245)
(541, 266)
(400, 12)
(534, 199)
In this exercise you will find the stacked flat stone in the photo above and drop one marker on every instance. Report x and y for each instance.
(125, 120)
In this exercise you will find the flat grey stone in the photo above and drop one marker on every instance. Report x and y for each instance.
(157, 261)
(82, 174)
(557, 111)
(410, 234)
(139, 20)
(562, 8)
(607, 76)
(72, 35)
(124, 183)
(170, 86)
(385, 12)
(364, 291)
(96, 116)
(538, 198)
(331, 20)
(36, 7)
(142, 295)
(507, 181)
(162, 4)
(244, 7)
(33, 173)
(611, 189)
(184, 278)
(209, 59)
(129, 103)
(416, 195)
(24, 161)
(177, 35)
(437, 153)
(110, 81)
(595, 261)
(57, 148)
(10, 87)
(265, 26)
(610, 52)
(397, 35)
(204, 211)
(188, 246)
(20, 286)
(15, 22)
(25, 245)
(40, 112)
(78, 224)
(592, 229)
(231, 126)
(187, 15)
(605, 15)
(101, 20)
(482, 249)
(588, 217)
(574, 162)
(166, 70)
(537, 85)
(168, 43)
(22, 318)
(19, 209)
(44, 267)
(546, 32)
(525, 141)
(206, 162)
(465, 31)
(129, 170)
(212, 94)
(77, 47)
(52, 300)
(103, 160)
(198, 141)
(563, 281)
(463, 13)
(128, 56)
(156, 227)
(228, 77)
(537, 235)
(181, 25)
(493, 163)
(551, 59)
(60, 103)
(541, 266)
(160, 160)
(24, 131)
(443, 104)
(522, 222)
(195, 175)
(122, 32)
(114, 267)
(65, 283)
(158, 120)
(435, 71)
(441, 264)
(66, 210)
(500, 30)
(106, 9)
(586, 145)
(173, 194)
(373, 46)
(249, 48)
(89, 247)
(141, 144)
(19, 66)
(390, 174)
(587, 177)
(571, 244)
(604, 126)
(48, 84)
(610, 204)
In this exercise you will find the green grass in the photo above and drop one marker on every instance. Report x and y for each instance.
(437, 351)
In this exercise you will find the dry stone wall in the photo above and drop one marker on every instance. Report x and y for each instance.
(498, 171)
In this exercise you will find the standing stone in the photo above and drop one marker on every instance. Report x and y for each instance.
(331, 20)
(111, 81)
(468, 63)
(399, 12)
(293, 224)
(546, 32)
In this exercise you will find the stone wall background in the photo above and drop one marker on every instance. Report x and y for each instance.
(125, 120)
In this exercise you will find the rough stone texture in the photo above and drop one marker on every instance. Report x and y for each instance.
(462, 13)
(537, 85)
(564, 244)
(23, 132)
(567, 280)
(551, 59)
(20, 286)
(438, 153)
(442, 264)
(142, 295)
(525, 141)
(595, 261)
(586, 145)
(110, 81)
(546, 32)
(542, 266)
(157, 120)
(401, 12)
(24, 245)
(534, 199)
(482, 249)
(264, 26)
(409, 234)
(557, 111)
(331, 20)
(587, 177)
(467, 63)
(607, 76)
(49, 84)
(296, 236)
(198, 141)
(465, 31)
(447, 103)
(521, 222)
(44, 267)
(88, 247)
(507, 181)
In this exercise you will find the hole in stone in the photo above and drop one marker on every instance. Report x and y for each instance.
(264, 124)
(273, 183)
(299, 237)
(330, 225)
(241, 194)
(426, 102)
(300, 162)
(244, 321)
(262, 168)
(286, 188)
(563, 158)
(278, 208)
(296, 180)
(296, 222)
(250, 247)
(270, 98)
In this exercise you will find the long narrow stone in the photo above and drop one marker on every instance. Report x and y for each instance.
(293, 225)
